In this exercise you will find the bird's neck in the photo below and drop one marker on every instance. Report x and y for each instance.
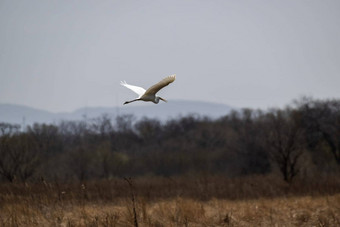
(156, 100)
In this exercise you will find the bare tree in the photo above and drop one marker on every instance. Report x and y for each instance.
(81, 160)
(284, 137)
(149, 130)
(19, 157)
(102, 125)
(8, 129)
(322, 122)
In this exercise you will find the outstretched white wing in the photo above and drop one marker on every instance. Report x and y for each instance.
(138, 90)
(155, 88)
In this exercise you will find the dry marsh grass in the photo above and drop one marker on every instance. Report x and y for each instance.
(293, 211)
(171, 202)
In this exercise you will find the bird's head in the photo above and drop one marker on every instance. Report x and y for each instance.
(159, 98)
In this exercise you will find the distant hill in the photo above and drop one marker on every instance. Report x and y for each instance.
(20, 114)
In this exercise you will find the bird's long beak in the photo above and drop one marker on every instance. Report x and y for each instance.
(164, 100)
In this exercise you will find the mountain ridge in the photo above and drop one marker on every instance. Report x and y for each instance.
(23, 114)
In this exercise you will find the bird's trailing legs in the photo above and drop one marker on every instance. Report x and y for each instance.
(127, 102)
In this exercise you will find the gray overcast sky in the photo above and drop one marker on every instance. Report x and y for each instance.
(62, 55)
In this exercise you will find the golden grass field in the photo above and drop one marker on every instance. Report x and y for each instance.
(110, 204)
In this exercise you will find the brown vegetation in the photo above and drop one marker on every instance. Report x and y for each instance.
(179, 201)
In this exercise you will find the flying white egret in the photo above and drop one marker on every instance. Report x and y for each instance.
(150, 94)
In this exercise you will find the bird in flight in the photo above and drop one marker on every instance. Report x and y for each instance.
(150, 94)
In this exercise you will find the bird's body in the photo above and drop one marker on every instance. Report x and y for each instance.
(150, 94)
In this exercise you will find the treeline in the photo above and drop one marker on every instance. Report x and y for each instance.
(302, 140)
